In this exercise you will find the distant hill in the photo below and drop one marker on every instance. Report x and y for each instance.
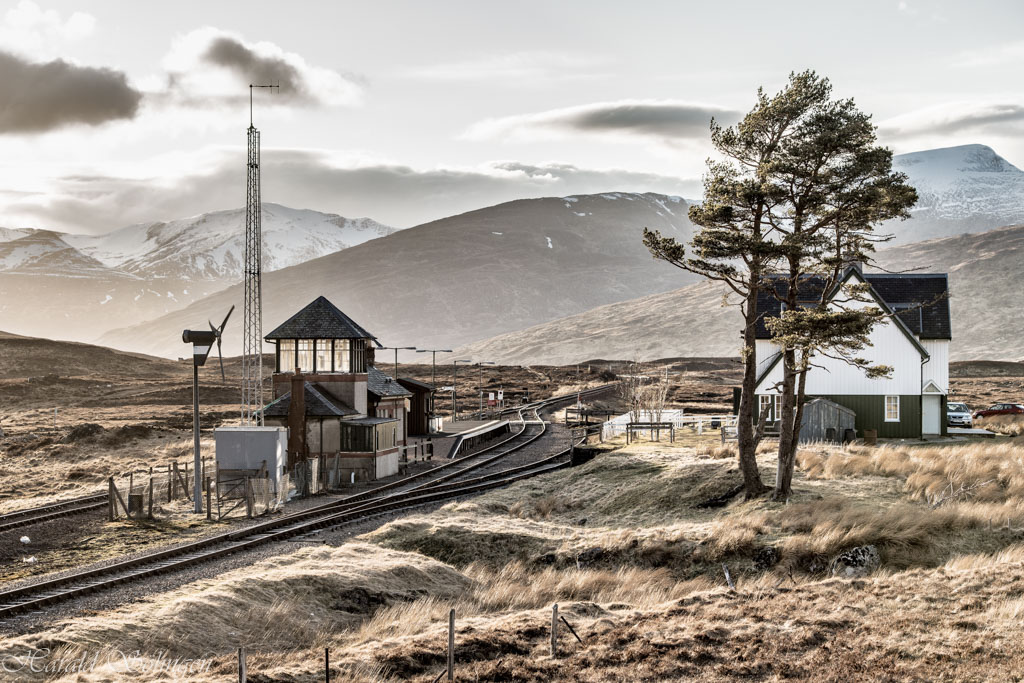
(462, 278)
(986, 302)
(22, 357)
(962, 189)
(79, 286)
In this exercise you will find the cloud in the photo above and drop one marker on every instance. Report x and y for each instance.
(38, 97)
(665, 120)
(395, 194)
(211, 66)
(996, 55)
(989, 118)
(29, 29)
(520, 66)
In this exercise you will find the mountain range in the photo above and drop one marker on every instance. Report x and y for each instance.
(986, 307)
(464, 277)
(74, 286)
(519, 280)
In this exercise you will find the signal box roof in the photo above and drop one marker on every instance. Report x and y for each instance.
(319, 320)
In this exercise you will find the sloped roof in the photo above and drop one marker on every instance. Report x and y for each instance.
(923, 298)
(319, 403)
(416, 386)
(320, 320)
(383, 385)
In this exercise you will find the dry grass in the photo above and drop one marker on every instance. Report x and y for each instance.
(1011, 425)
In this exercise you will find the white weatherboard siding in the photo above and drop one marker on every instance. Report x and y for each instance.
(766, 350)
(937, 367)
(889, 346)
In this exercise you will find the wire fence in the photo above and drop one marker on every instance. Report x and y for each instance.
(135, 495)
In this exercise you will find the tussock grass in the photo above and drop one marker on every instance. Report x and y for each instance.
(1011, 425)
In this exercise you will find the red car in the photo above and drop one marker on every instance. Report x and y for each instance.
(1000, 409)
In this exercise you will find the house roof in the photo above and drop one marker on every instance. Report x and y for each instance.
(319, 320)
(319, 403)
(923, 298)
(415, 386)
(383, 385)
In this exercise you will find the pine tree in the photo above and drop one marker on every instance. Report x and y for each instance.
(831, 184)
(735, 244)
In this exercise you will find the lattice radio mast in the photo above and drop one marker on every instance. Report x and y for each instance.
(252, 306)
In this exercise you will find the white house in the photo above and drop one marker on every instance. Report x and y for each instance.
(911, 402)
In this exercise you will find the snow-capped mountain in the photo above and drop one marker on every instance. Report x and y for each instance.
(211, 246)
(75, 287)
(960, 189)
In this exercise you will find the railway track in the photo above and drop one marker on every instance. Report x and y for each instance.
(73, 506)
(407, 493)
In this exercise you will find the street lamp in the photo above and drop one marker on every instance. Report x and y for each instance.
(396, 349)
(202, 342)
(433, 361)
(480, 382)
(455, 384)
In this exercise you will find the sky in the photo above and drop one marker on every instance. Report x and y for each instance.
(114, 113)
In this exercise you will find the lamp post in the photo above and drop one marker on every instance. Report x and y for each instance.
(480, 382)
(396, 349)
(433, 361)
(202, 342)
(455, 384)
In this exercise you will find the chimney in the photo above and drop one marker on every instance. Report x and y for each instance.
(297, 419)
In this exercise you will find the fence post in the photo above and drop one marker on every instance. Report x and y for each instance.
(151, 493)
(188, 489)
(110, 498)
(131, 486)
(327, 665)
(451, 644)
(174, 479)
(241, 665)
(209, 513)
(554, 630)
(248, 498)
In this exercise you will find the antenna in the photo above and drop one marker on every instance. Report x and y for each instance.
(252, 305)
(253, 85)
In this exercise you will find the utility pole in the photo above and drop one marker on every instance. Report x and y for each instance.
(455, 384)
(252, 304)
(396, 349)
(433, 361)
(480, 382)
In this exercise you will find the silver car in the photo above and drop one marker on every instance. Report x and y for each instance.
(958, 415)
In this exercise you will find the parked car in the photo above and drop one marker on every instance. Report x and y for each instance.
(958, 415)
(1000, 409)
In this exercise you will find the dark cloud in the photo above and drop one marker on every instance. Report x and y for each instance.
(393, 194)
(37, 97)
(998, 118)
(256, 69)
(667, 120)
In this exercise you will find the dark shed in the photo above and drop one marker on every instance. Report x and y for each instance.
(824, 420)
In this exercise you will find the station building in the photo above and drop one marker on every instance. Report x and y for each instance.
(337, 404)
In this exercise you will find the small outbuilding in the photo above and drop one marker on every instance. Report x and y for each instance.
(825, 420)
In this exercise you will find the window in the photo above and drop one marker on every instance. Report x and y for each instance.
(358, 355)
(892, 408)
(306, 355)
(286, 355)
(341, 357)
(774, 404)
(323, 355)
